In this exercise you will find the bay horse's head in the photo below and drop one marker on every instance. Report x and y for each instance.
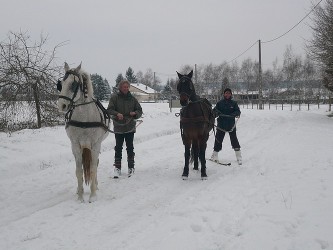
(75, 85)
(185, 88)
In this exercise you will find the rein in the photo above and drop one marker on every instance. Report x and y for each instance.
(227, 131)
(126, 123)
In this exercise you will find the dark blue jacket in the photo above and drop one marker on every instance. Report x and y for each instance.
(226, 111)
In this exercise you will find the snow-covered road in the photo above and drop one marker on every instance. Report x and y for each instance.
(280, 198)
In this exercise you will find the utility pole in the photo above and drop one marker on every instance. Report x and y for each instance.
(154, 87)
(260, 78)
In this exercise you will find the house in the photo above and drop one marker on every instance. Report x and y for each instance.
(143, 93)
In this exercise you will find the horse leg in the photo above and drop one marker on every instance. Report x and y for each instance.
(187, 160)
(202, 156)
(93, 175)
(79, 170)
(195, 154)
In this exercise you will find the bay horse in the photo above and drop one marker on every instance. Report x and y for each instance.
(196, 121)
(86, 125)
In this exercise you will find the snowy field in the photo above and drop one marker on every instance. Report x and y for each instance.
(280, 198)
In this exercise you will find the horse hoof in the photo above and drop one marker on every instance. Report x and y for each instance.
(184, 177)
(204, 178)
(92, 198)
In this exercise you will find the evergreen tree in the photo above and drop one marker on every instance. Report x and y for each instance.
(167, 91)
(102, 90)
(130, 76)
(119, 78)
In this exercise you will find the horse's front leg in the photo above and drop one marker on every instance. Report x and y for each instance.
(79, 170)
(187, 160)
(202, 157)
(93, 176)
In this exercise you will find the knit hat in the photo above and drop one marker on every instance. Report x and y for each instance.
(227, 89)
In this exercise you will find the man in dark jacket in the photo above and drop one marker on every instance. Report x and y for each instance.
(226, 110)
(124, 108)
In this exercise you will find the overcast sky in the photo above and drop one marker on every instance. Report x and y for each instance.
(109, 36)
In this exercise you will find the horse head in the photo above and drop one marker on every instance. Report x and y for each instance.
(185, 88)
(74, 86)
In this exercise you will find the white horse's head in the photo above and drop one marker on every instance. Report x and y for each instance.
(74, 87)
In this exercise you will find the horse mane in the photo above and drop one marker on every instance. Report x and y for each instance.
(86, 80)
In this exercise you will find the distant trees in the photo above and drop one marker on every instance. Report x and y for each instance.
(296, 74)
(102, 89)
(147, 78)
(27, 73)
(321, 45)
(130, 76)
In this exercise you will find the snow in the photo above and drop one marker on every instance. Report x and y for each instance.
(280, 198)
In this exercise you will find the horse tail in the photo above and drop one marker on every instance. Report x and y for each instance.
(192, 155)
(86, 160)
(194, 147)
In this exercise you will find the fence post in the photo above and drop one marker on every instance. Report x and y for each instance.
(318, 100)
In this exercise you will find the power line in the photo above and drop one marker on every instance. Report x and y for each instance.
(272, 40)
(294, 25)
(243, 52)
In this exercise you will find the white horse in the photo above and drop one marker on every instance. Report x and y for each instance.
(86, 125)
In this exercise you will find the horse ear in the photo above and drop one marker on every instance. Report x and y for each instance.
(179, 75)
(66, 67)
(190, 74)
(78, 68)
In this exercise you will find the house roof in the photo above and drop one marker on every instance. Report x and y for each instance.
(143, 88)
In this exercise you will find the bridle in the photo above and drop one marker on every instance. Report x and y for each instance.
(76, 85)
(184, 79)
(185, 97)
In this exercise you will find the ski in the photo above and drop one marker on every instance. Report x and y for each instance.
(221, 163)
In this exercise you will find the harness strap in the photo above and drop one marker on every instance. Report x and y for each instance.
(193, 119)
(102, 123)
(86, 124)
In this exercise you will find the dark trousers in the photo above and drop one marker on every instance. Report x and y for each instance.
(120, 138)
(219, 139)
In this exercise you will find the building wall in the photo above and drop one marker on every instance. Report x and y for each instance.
(142, 96)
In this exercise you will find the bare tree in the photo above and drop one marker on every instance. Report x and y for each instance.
(273, 77)
(27, 81)
(247, 74)
(292, 65)
(320, 46)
